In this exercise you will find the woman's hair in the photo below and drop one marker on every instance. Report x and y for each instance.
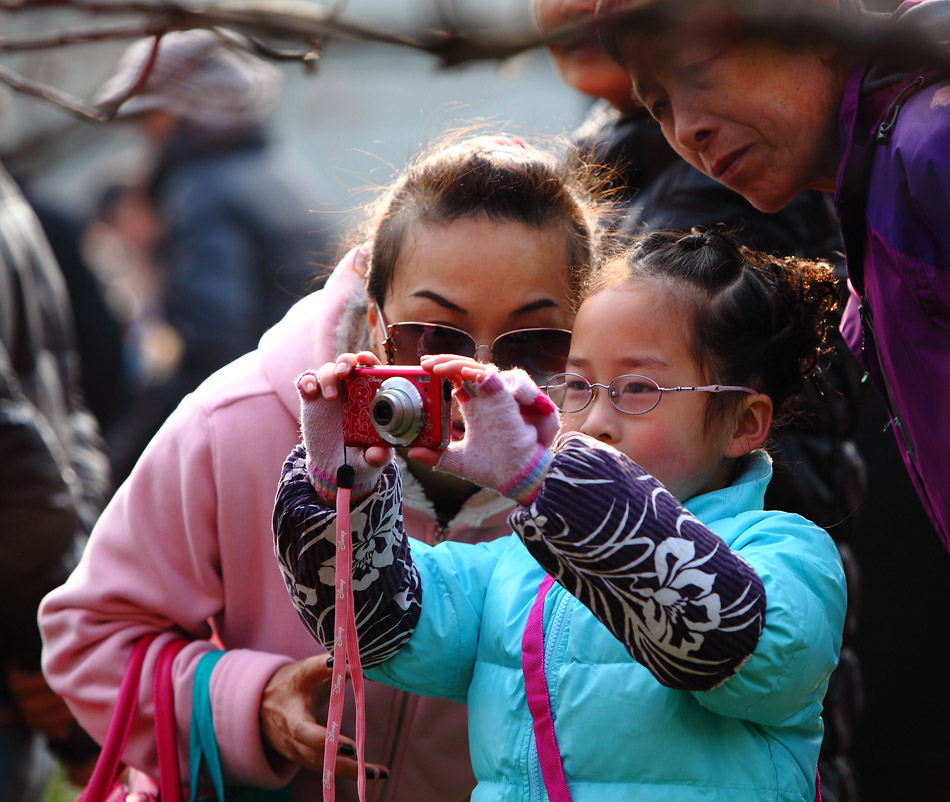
(629, 22)
(499, 178)
(755, 320)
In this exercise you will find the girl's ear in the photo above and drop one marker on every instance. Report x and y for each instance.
(752, 425)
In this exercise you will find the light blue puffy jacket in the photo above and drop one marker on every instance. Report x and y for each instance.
(623, 735)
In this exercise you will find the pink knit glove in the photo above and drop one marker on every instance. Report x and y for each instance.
(509, 424)
(321, 422)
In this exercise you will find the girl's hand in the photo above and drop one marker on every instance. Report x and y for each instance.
(329, 374)
(325, 381)
(509, 423)
(321, 422)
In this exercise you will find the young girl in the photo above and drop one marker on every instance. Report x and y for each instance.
(184, 548)
(685, 647)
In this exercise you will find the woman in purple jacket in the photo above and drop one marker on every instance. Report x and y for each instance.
(769, 120)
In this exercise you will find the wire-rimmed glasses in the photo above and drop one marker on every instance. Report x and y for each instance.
(630, 394)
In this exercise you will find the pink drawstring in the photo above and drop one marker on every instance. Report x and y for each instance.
(346, 648)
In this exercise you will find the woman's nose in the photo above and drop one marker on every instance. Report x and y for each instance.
(693, 126)
(483, 353)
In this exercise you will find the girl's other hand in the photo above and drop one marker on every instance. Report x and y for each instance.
(509, 423)
(457, 369)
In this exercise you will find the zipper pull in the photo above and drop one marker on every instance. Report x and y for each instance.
(886, 128)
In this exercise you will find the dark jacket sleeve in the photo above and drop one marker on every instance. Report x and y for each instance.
(684, 605)
(386, 590)
(53, 471)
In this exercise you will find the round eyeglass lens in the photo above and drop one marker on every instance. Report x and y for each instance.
(634, 394)
(569, 392)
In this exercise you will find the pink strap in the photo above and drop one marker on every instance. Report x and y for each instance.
(107, 766)
(166, 740)
(110, 758)
(346, 650)
(539, 701)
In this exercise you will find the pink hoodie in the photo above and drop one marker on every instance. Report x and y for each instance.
(186, 546)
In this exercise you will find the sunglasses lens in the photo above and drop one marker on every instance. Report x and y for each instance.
(410, 341)
(540, 352)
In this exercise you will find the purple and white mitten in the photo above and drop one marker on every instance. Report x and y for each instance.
(321, 422)
(509, 424)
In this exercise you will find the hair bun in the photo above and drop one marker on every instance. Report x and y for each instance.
(693, 241)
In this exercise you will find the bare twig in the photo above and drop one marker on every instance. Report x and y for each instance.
(111, 109)
(308, 56)
(84, 36)
(252, 24)
(52, 95)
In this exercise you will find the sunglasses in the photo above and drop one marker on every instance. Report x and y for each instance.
(630, 394)
(540, 352)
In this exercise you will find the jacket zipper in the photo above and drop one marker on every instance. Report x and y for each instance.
(886, 128)
(867, 325)
(439, 533)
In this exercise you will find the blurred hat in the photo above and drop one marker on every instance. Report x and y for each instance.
(197, 77)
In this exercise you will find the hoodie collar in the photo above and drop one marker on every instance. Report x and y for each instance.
(746, 493)
(308, 335)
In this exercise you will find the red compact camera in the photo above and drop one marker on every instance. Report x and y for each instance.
(396, 405)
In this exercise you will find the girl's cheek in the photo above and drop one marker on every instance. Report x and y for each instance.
(571, 423)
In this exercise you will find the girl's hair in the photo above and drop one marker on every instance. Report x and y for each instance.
(500, 178)
(755, 320)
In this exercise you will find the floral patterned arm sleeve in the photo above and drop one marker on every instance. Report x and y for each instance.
(685, 606)
(386, 590)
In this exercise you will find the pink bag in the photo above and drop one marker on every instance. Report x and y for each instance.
(105, 785)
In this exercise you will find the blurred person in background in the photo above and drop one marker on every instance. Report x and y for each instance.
(119, 244)
(53, 484)
(820, 473)
(237, 244)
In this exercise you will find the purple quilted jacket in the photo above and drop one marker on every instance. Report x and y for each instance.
(893, 200)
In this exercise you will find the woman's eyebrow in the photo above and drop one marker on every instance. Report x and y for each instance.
(440, 300)
(534, 306)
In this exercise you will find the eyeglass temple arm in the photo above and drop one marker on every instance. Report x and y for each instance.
(711, 388)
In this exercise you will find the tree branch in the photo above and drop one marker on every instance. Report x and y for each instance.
(52, 95)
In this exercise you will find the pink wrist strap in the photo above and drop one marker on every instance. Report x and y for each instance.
(539, 701)
(346, 649)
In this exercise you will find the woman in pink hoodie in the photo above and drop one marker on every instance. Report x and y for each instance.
(482, 238)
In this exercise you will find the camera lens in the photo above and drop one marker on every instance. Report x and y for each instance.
(397, 411)
(383, 412)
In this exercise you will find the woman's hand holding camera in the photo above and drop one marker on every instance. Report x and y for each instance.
(321, 422)
(509, 424)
